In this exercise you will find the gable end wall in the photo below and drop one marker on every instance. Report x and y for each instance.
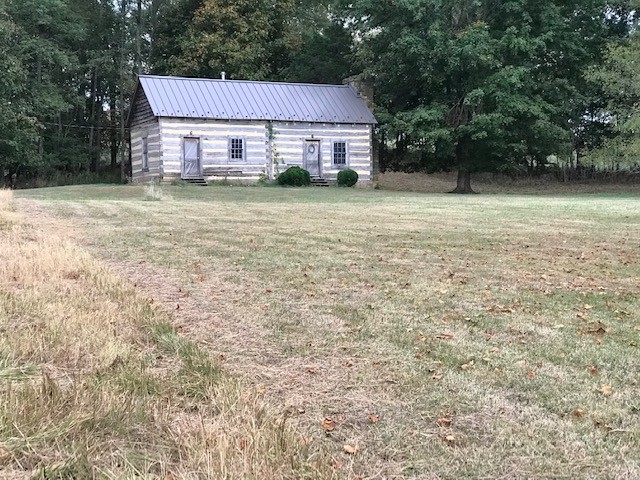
(145, 124)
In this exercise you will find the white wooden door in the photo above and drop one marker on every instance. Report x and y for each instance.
(312, 157)
(191, 164)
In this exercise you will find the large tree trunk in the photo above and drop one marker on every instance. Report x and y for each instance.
(464, 182)
(123, 142)
(464, 175)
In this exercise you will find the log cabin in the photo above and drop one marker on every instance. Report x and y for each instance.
(200, 130)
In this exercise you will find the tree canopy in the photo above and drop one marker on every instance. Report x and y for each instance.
(472, 85)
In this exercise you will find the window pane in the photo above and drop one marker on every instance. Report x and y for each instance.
(191, 148)
(237, 149)
(145, 155)
(340, 153)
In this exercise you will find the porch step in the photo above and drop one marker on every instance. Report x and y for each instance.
(197, 181)
(319, 182)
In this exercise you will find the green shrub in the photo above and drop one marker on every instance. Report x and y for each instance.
(347, 178)
(295, 177)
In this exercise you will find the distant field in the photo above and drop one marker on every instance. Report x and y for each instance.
(500, 184)
(402, 335)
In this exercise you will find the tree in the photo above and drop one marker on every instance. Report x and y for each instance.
(18, 127)
(479, 84)
(324, 52)
(619, 78)
(247, 39)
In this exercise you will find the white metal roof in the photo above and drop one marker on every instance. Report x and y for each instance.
(249, 100)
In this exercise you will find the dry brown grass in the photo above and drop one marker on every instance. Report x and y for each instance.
(445, 336)
(95, 382)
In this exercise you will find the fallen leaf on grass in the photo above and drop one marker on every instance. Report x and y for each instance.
(578, 413)
(437, 377)
(5, 455)
(267, 291)
(348, 363)
(606, 389)
(444, 422)
(444, 336)
(311, 370)
(328, 424)
(532, 374)
(597, 329)
(468, 365)
(374, 418)
(350, 449)
(593, 370)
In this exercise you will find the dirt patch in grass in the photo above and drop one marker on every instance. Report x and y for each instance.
(434, 336)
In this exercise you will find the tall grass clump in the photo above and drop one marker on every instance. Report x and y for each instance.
(154, 192)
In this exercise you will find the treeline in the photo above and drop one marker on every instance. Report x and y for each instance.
(491, 85)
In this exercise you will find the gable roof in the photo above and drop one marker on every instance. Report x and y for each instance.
(249, 100)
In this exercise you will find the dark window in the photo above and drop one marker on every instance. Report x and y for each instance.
(145, 154)
(340, 153)
(236, 148)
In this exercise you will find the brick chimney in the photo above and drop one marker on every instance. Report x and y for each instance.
(363, 85)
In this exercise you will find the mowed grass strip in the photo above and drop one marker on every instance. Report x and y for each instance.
(444, 336)
(95, 381)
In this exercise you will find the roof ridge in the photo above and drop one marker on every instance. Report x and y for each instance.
(170, 77)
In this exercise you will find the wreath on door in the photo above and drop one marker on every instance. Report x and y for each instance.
(311, 149)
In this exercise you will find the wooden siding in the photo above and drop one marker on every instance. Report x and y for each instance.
(214, 143)
(141, 113)
(151, 130)
(289, 140)
(166, 136)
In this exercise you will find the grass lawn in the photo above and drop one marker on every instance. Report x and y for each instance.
(384, 334)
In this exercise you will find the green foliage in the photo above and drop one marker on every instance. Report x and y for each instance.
(294, 177)
(347, 178)
(470, 84)
(246, 39)
(481, 84)
(18, 126)
(619, 77)
(323, 52)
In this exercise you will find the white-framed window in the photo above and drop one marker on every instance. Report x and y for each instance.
(339, 153)
(236, 149)
(145, 154)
